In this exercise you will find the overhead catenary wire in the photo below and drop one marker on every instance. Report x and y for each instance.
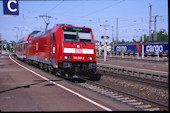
(55, 7)
(99, 10)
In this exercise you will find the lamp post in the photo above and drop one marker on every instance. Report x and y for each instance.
(143, 40)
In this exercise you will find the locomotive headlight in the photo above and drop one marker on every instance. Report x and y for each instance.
(67, 57)
(89, 58)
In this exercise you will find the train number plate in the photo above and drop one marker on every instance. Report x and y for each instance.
(78, 58)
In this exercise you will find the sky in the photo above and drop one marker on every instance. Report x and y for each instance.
(132, 16)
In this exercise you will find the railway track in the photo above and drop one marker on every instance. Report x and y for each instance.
(151, 82)
(141, 103)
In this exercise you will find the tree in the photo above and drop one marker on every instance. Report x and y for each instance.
(133, 40)
(123, 41)
(146, 38)
(162, 36)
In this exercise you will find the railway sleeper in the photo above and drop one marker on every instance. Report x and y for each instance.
(144, 106)
(123, 98)
(152, 109)
(129, 101)
(136, 103)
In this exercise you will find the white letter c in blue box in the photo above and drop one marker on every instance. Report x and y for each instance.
(10, 7)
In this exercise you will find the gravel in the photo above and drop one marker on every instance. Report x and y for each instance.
(137, 88)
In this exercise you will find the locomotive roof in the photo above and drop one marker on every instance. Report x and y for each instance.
(34, 32)
(64, 24)
(39, 33)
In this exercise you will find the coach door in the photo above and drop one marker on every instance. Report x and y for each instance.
(52, 46)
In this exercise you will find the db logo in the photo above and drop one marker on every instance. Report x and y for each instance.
(79, 51)
(10, 7)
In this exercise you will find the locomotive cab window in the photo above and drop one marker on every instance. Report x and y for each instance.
(70, 36)
(85, 37)
(77, 34)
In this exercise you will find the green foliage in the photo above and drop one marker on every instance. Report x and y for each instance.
(123, 41)
(162, 36)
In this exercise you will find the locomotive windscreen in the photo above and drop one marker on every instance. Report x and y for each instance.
(77, 34)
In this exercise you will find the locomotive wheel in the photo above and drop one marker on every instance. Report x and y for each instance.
(31, 62)
(54, 71)
(50, 69)
(27, 61)
(41, 65)
(46, 67)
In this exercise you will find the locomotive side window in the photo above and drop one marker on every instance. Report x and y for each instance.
(53, 37)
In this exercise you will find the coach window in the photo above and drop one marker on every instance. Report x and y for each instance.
(24, 46)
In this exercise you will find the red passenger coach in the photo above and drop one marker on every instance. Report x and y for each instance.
(65, 49)
(21, 48)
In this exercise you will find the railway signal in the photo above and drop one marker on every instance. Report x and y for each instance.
(104, 37)
(105, 46)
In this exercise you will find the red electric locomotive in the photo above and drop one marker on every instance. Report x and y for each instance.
(65, 49)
